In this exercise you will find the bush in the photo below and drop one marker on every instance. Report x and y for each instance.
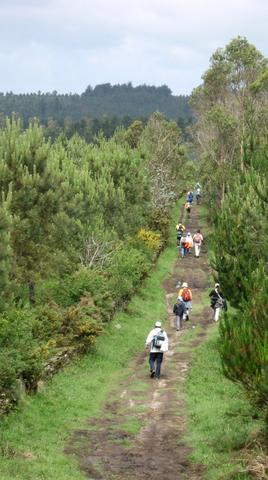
(79, 328)
(244, 345)
(128, 268)
(160, 221)
(151, 239)
(20, 350)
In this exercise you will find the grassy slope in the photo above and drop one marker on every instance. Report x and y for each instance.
(33, 439)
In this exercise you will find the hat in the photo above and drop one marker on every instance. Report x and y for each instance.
(188, 234)
(157, 324)
(217, 285)
(184, 285)
(180, 299)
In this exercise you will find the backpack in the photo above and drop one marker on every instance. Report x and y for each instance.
(158, 339)
(179, 234)
(186, 295)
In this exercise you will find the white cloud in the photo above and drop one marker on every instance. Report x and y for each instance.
(64, 45)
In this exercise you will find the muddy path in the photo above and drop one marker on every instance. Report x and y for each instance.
(141, 432)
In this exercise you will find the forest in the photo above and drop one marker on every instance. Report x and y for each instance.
(106, 104)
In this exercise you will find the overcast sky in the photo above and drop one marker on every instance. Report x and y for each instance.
(65, 45)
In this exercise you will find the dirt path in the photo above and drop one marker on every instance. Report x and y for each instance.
(141, 432)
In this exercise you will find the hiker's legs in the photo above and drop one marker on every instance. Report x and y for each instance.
(217, 313)
(197, 249)
(178, 322)
(159, 358)
(152, 358)
(182, 252)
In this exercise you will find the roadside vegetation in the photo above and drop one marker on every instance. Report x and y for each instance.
(33, 438)
(232, 138)
(222, 422)
(81, 227)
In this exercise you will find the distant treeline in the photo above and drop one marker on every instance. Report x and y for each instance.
(94, 103)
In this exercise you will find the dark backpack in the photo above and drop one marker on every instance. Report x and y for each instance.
(179, 234)
(158, 339)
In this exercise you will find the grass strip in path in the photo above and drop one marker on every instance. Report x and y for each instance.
(32, 439)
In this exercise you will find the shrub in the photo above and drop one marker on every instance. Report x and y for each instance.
(160, 221)
(128, 268)
(80, 328)
(21, 356)
(151, 239)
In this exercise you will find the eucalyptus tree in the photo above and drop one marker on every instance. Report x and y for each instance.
(231, 106)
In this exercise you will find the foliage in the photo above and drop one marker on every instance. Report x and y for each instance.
(79, 392)
(232, 132)
(70, 255)
(231, 108)
(130, 266)
(160, 146)
(150, 238)
(244, 346)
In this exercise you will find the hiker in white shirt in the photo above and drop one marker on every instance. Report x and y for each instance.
(158, 341)
(198, 240)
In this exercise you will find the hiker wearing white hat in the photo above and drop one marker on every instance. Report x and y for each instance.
(186, 294)
(157, 339)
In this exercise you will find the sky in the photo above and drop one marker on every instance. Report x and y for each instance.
(66, 45)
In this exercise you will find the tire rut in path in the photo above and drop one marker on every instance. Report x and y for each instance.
(141, 432)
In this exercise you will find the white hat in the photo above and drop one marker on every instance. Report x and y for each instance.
(157, 324)
(217, 285)
(184, 285)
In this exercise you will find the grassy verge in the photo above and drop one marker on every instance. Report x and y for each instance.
(220, 417)
(32, 440)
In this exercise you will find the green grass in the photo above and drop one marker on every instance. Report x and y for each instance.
(33, 438)
(220, 417)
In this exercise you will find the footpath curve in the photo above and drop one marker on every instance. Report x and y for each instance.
(141, 431)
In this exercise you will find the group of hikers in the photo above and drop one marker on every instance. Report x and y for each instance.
(157, 339)
(185, 241)
(191, 195)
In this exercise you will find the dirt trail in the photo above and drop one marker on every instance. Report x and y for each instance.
(141, 432)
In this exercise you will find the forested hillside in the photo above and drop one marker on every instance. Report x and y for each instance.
(94, 103)
(232, 136)
(81, 226)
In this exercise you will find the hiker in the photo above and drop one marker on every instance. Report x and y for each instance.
(180, 231)
(189, 242)
(183, 245)
(187, 207)
(217, 302)
(186, 294)
(179, 309)
(198, 195)
(158, 341)
(190, 197)
(197, 240)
